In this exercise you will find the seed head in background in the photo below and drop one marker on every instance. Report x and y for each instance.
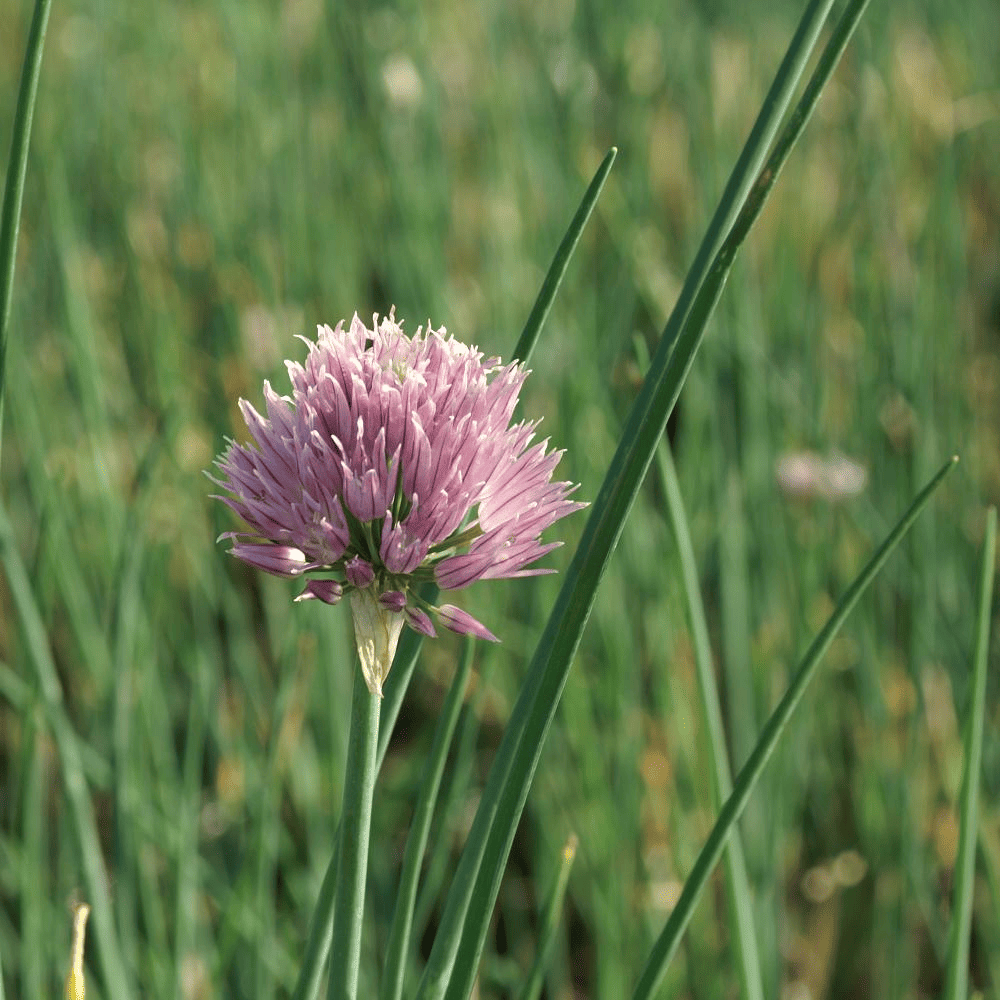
(392, 463)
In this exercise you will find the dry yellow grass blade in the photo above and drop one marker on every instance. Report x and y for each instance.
(76, 988)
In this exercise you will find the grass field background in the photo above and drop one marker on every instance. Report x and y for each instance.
(209, 180)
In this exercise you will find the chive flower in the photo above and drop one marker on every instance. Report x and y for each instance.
(392, 463)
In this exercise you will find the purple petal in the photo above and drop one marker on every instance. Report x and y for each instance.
(393, 600)
(420, 622)
(359, 572)
(281, 560)
(463, 623)
(328, 591)
(376, 409)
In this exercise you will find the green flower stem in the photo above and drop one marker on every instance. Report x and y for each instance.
(17, 167)
(399, 677)
(549, 922)
(321, 925)
(721, 781)
(957, 983)
(670, 938)
(416, 841)
(355, 824)
(95, 876)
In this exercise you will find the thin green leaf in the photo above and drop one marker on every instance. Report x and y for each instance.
(462, 930)
(668, 941)
(409, 647)
(320, 931)
(737, 885)
(410, 643)
(553, 279)
(416, 841)
(95, 875)
(17, 167)
(549, 922)
(957, 984)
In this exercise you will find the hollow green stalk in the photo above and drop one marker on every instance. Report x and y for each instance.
(318, 945)
(957, 982)
(416, 841)
(721, 782)
(549, 922)
(355, 826)
(454, 959)
(17, 168)
(670, 938)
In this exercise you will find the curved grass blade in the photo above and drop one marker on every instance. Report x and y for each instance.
(462, 930)
(17, 167)
(550, 922)
(669, 939)
(320, 931)
(737, 884)
(957, 983)
(95, 874)
(553, 279)
(409, 647)
(416, 840)
(318, 945)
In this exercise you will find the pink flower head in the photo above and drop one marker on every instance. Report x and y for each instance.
(393, 462)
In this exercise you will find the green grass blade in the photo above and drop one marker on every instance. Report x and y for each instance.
(355, 828)
(320, 931)
(957, 983)
(17, 167)
(744, 176)
(549, 923)
(409, 649)
(741, 928)
(553, 279)
(462, 930)
(669, 940)
(827, 63)
(95, 874)
(416, 841)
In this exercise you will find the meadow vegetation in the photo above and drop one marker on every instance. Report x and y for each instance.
(207, 181)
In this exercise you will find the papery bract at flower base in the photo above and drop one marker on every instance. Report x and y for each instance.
(392, 463)
(376, 632)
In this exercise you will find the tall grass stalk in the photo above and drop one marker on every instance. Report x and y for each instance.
(454, 958)
(670, 938)
(744, 938)
(548, 923)
(17, 168)
(81, 808)
(957, 983)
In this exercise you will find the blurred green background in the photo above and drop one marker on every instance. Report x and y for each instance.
(209, 180)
